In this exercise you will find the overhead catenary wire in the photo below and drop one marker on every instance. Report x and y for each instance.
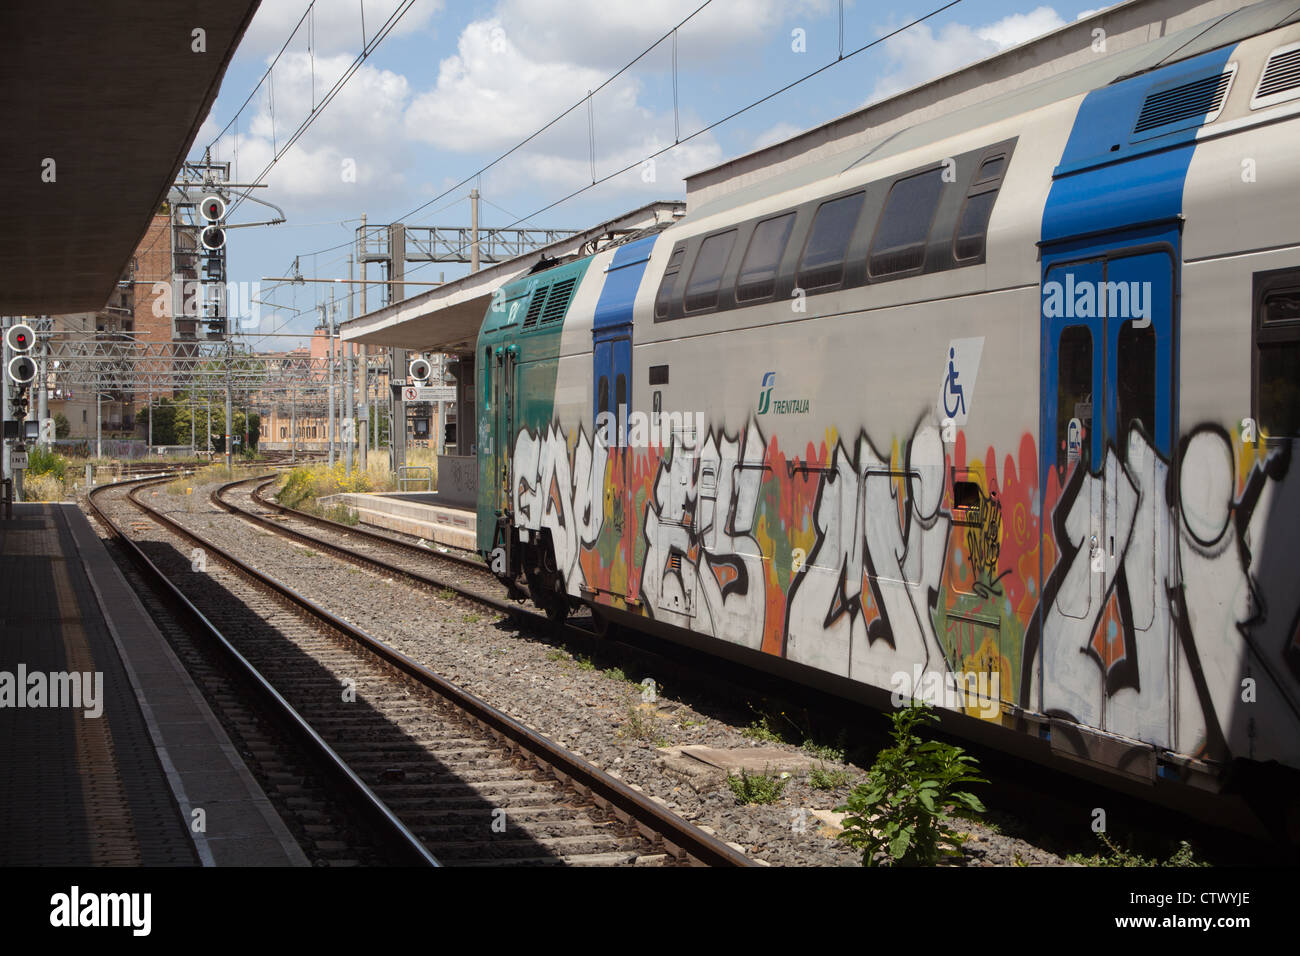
(716, 123)
(841, 57)
(393, 19)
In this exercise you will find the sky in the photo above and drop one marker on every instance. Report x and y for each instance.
(454, 86)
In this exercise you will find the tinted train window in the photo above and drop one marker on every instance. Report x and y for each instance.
(991, 169)
(823, 255)
(663, 301)
(706, 276)
(1136, 401)
(1073, 396)
(899, 244)
(1277, 355)
(758, 270)
(973, 223)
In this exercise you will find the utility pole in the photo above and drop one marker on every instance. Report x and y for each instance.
(42, 396)
(329, 427)
(363, 414)
(473, 230)
(293, 425)
(4, 394)
(229, 410)
(349, 397)
(397, 364)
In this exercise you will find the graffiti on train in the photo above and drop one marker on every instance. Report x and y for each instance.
(1105, 596)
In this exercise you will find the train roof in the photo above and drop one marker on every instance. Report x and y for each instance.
(782, 167)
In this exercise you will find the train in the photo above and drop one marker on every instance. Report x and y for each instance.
(998, 414)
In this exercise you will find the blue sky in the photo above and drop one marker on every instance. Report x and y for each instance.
(457, 84)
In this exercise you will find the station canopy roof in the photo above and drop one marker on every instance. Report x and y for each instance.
(113, 93)
(447, 318)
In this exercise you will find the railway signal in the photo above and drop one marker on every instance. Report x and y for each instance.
(213, 210)
(420, 370)
(20, 337)
(22, 370)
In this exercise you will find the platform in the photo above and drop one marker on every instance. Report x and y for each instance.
(108, 769)
(419, 513)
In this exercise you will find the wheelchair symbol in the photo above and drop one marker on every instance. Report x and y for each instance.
(951, 388)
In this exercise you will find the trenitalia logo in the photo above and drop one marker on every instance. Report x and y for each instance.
(780, 406)
(765, 399)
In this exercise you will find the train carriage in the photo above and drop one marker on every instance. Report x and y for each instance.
(998, 413)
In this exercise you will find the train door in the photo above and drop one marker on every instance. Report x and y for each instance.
(502, 390)
(612, 381)
(1109, 327)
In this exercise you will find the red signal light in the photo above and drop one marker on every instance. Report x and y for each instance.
(20, 337)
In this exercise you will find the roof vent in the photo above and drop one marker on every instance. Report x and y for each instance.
(535, 306)
(558, 301)
(1280, 80)
(1193, 103)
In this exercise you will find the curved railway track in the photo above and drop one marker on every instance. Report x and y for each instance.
(393, 557)
(454, 779)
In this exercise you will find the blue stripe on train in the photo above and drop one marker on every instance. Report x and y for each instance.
(1106, 179)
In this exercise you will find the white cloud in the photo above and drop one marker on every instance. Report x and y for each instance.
(492, 94)
(608, 34)
(336, 25)
(355, 143)
(918, 54)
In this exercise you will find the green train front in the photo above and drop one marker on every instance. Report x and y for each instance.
(519, 348)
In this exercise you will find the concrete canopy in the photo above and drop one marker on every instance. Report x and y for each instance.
(447, 319)
(114, 93)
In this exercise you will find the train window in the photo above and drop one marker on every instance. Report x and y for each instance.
(620, 401)
(602, 397)
(706, 276)
(899, 243)
(758, 269)
(973, 225)
(1073, 397)
(664, 300)
(1136, 373)
(991, 169)
(1277, 354)
(822, 264)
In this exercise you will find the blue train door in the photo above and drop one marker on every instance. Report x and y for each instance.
(612, 382)
(612, 339)
(1109, 319)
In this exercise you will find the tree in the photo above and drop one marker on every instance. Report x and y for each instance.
(61, 426)
(163, 412)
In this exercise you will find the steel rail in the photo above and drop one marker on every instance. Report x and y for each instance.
(408, 844)
(629, 806)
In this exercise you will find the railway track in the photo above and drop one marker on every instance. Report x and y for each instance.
(462, 575)
(402, 559)
(458, 781)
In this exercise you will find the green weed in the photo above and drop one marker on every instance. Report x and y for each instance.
(902, 813)
(752, 788)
